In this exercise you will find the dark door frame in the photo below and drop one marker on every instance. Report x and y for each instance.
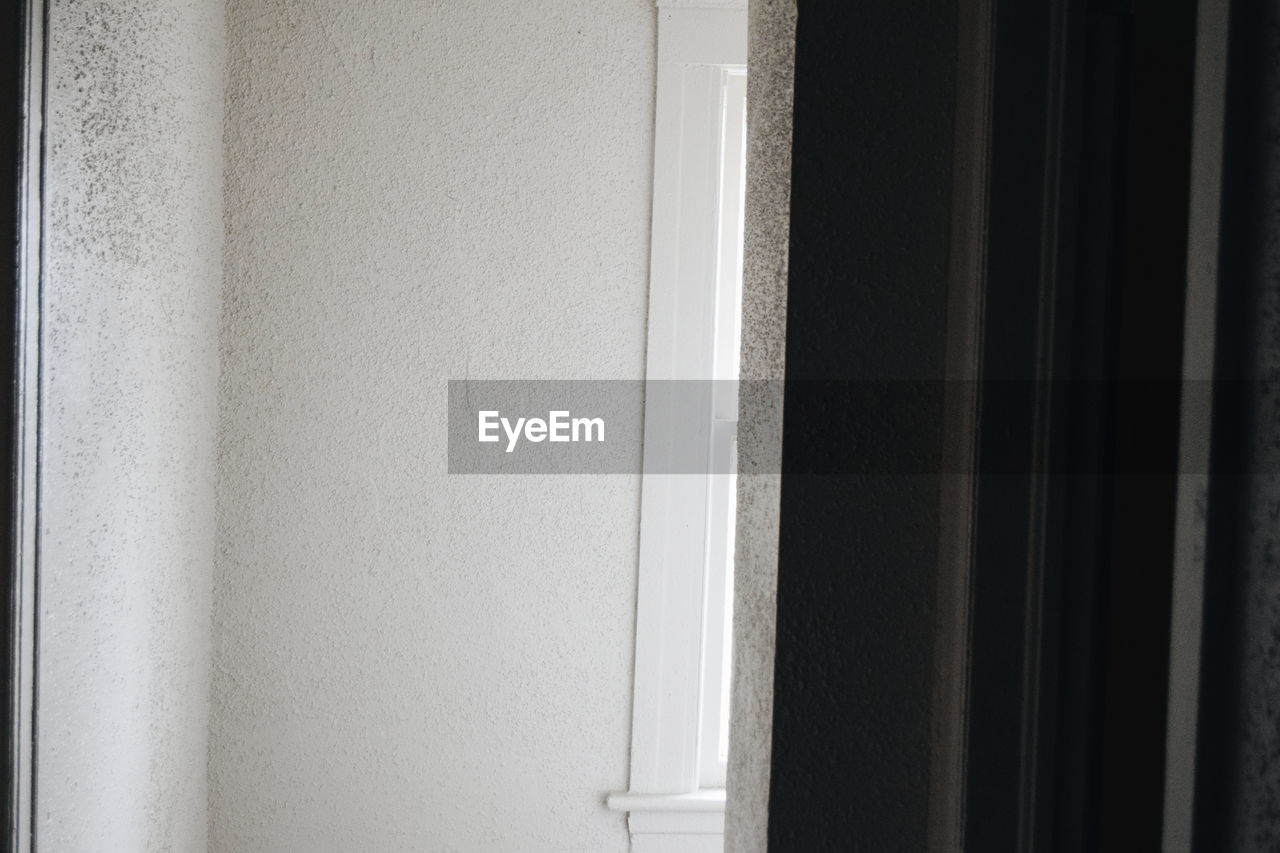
(964, 657)
(1070, 577)
(21, 155)
(11, 170)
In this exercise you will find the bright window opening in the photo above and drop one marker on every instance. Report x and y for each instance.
(721, 492)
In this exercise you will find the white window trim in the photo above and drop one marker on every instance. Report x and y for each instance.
(675, 802)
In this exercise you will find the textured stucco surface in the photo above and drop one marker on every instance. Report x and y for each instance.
(404, 660)
(764, 313)
(130, 305)
(1257, 723)
(868, 286)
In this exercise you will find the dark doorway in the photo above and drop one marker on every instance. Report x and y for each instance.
(1066, 589)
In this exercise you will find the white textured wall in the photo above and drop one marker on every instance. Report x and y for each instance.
(406, 661)
(131, 313)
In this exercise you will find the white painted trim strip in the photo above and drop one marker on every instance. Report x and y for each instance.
(701, 4)
(673, 823)
(708, 800)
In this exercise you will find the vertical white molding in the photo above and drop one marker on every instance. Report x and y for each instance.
(693, 46)
(696, 44)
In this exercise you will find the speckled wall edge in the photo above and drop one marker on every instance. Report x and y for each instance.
(771, 62)
(131, 284)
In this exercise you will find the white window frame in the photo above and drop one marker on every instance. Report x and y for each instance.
(676, 797)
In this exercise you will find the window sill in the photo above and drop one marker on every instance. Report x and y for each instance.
(667, 823)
